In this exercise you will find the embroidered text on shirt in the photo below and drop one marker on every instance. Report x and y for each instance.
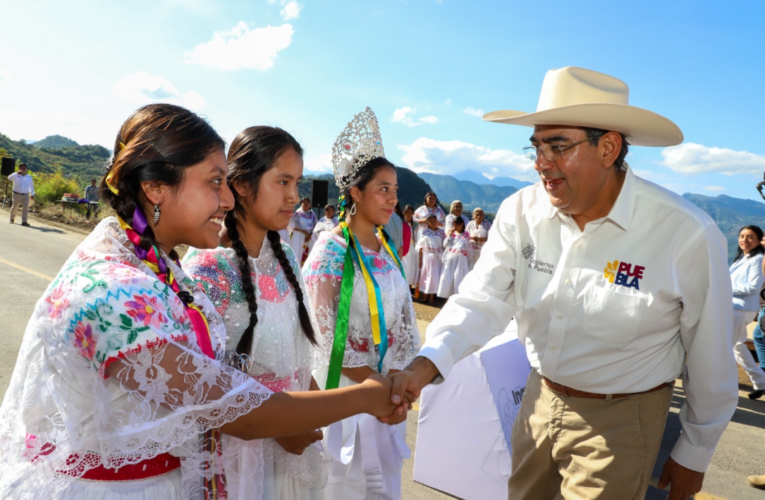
(619, 272)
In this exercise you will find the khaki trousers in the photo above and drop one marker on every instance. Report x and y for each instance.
(579, 448)
(23, 200)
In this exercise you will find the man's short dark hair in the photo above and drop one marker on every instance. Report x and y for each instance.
(22, 165)
(594, 135)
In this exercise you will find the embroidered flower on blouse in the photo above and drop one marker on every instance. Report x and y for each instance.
(58, 304)
(84, 341)
(145, 309)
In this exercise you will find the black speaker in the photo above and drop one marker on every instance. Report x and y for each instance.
(8, 166)
(319, 193)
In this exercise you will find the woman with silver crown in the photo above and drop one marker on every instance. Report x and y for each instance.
(361, 302)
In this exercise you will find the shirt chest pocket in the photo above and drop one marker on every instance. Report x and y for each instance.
(612, 316)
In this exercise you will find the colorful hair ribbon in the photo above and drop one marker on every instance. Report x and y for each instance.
(353, 254)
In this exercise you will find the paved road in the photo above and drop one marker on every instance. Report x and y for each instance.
(30, 257)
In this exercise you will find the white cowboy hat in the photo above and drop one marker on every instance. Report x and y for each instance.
(584, 98)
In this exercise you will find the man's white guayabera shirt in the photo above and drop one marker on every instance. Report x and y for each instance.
(633, 301)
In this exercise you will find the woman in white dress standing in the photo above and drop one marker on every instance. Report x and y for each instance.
(478, 229)
(457, 250)
(455, 211)
(430, 247)
(301, 229)
(430, 206)
(265, 315)
(120, 390)
(326, 223)
(411, 260)
(364, 312)
(747, 277)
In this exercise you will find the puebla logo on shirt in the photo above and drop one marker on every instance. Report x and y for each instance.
(624, 274)
(529, 251)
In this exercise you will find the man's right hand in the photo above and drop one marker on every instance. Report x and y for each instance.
(417, 375)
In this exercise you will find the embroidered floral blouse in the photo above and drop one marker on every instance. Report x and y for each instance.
(110, 373)
(421, 217)
(323, 272)
(281, 354)
(457, 244)
(431, 241)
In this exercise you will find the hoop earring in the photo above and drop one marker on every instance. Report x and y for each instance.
(353, 209)
(156, 214)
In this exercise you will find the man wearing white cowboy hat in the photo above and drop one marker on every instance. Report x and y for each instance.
(618, 287)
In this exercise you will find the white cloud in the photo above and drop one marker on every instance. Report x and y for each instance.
(690, 158)
(405, 116)
(291, 10)
(242, 47)
(5, 76)
(713, 188)
(142, 88)
(452, 157)
(474, 111)
(321, 163)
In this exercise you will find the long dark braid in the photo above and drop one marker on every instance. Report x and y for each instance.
(252, 154)
(305, 318)
(243, 261)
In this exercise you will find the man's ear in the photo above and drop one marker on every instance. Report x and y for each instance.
(155, 192)
(611, 144)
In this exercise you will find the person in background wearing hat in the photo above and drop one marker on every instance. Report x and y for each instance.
(618, 287)
(91, 194)
(23, 189)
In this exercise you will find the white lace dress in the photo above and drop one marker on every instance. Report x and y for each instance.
(431, 243)
(454, 261)
(450, 221)
(67, 413)
(300, 243)
(367, 455)
(480, 231)
(280, 358)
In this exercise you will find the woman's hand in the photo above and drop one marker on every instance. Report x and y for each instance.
(377, 391)
(299, 442)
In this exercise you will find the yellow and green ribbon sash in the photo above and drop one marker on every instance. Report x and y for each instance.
(353, 253)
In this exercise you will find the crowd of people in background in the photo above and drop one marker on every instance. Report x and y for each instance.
(436, 250)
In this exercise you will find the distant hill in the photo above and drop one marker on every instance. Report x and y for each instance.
(472, 195)
(480, 179)
(83, 161)
(54, 142)
(411, 188)
(730, 214)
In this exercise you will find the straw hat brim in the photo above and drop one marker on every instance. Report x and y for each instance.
(640, 126)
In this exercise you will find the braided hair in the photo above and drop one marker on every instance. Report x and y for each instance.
(155, 144)
(251, 155)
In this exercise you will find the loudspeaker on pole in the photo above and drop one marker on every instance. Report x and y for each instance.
(8, 166)
(319, 193)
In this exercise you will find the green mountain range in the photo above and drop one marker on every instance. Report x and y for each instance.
(84, 161)
(57, 152)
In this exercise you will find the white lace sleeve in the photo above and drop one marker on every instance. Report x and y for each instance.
(109, 374)
(323, 273)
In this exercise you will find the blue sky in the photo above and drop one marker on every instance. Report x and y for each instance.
(426, 67)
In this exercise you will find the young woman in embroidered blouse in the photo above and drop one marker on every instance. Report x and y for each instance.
(340, 299)
(265, 315)
(326, 223)
(301, 229)
(430, 248)
(455, 259)
(120, 369)
(430, 206)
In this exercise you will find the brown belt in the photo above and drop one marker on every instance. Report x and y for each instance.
(574, 393)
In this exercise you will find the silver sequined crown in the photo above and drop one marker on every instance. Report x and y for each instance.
(358, 144)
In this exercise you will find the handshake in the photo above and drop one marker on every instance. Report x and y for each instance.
(389, 398)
